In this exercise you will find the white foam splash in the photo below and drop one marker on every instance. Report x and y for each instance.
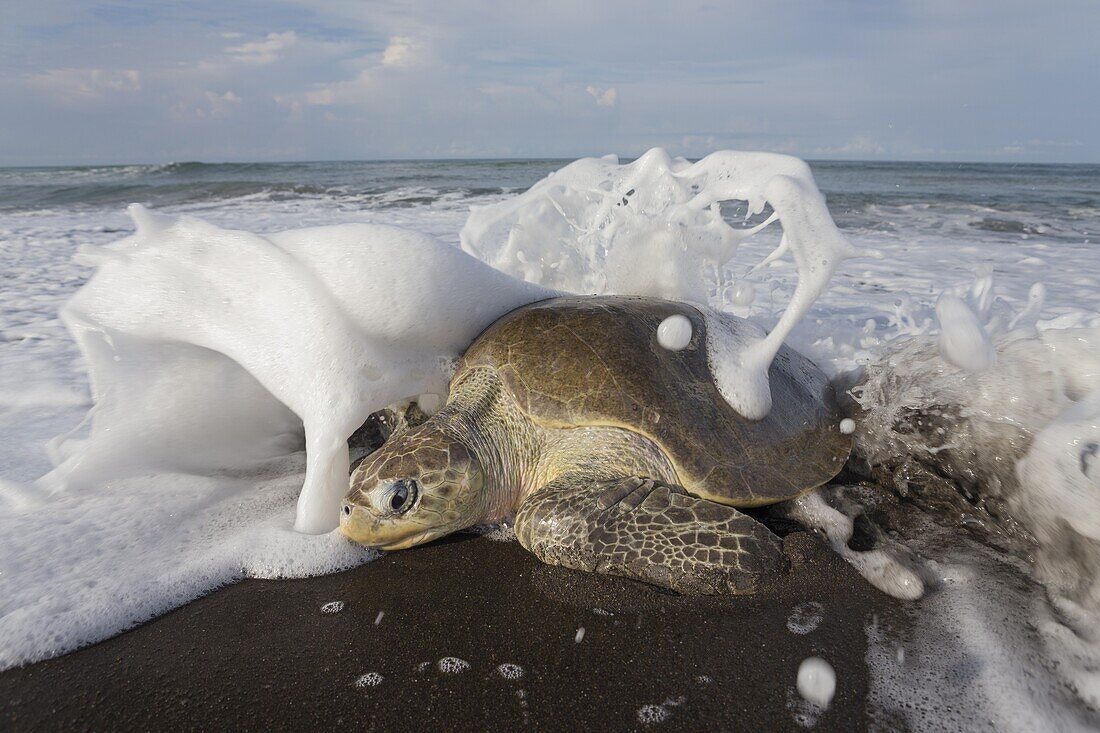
(880, 567)
(215, 356)
(1015, 436)
(963, 340)
(1019, 434)
(1060, 498)
(655, 227)
(328, 324)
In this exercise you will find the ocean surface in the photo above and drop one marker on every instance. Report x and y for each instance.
(938, 221)
(1056, 201)
(1015, 240)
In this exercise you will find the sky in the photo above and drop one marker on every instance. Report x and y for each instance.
(87, 82)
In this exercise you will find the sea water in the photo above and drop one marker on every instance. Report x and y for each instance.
(989, 274)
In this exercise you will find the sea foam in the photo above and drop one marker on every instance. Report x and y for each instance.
(209, 347)
(217, 355)
(655, 226)
(150, 507)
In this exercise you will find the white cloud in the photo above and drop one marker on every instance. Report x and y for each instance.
(603, 97)
(211, 105)
(263, 52)
(323, 96)
(83, 84)
(222, 104)
(402, 51)
(350, 91)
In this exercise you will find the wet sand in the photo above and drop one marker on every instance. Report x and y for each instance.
(262, 654)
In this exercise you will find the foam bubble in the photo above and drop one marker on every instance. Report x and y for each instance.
(138, 547)
(510, 671)
(805, 617)
(370, 679)
(653, 714)
(674, 333)
(452, 665)
(816, 681)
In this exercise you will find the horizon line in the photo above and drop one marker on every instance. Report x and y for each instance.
(518, 159)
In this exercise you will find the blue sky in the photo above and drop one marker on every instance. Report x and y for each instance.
(101, 82)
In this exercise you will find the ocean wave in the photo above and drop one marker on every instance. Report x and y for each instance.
(1007, 226)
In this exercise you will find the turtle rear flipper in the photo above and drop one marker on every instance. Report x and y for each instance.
(650, 531)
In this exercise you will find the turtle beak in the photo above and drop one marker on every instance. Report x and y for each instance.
(357, 525)
(360, 525)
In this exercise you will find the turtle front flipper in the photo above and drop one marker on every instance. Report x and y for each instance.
(650, 531)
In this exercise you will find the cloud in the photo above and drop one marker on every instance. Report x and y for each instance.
(209, 105)
(932, 79)
(402, 51)
(350, 91)
(603, 97)
(263, 52)
(83, 84)
(222, 104)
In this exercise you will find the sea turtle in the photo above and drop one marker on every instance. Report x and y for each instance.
(612, 453)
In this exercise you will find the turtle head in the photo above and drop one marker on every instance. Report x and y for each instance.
(422, 484)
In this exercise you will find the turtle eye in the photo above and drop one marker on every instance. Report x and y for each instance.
(402, 495)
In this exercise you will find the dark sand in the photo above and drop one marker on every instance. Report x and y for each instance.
(261, 654)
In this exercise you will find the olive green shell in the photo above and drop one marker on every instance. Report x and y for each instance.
(595, 361)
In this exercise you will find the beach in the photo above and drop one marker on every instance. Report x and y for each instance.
(153, 577)
(263, 653)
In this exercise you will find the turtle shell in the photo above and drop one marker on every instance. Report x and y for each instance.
(595, 361)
